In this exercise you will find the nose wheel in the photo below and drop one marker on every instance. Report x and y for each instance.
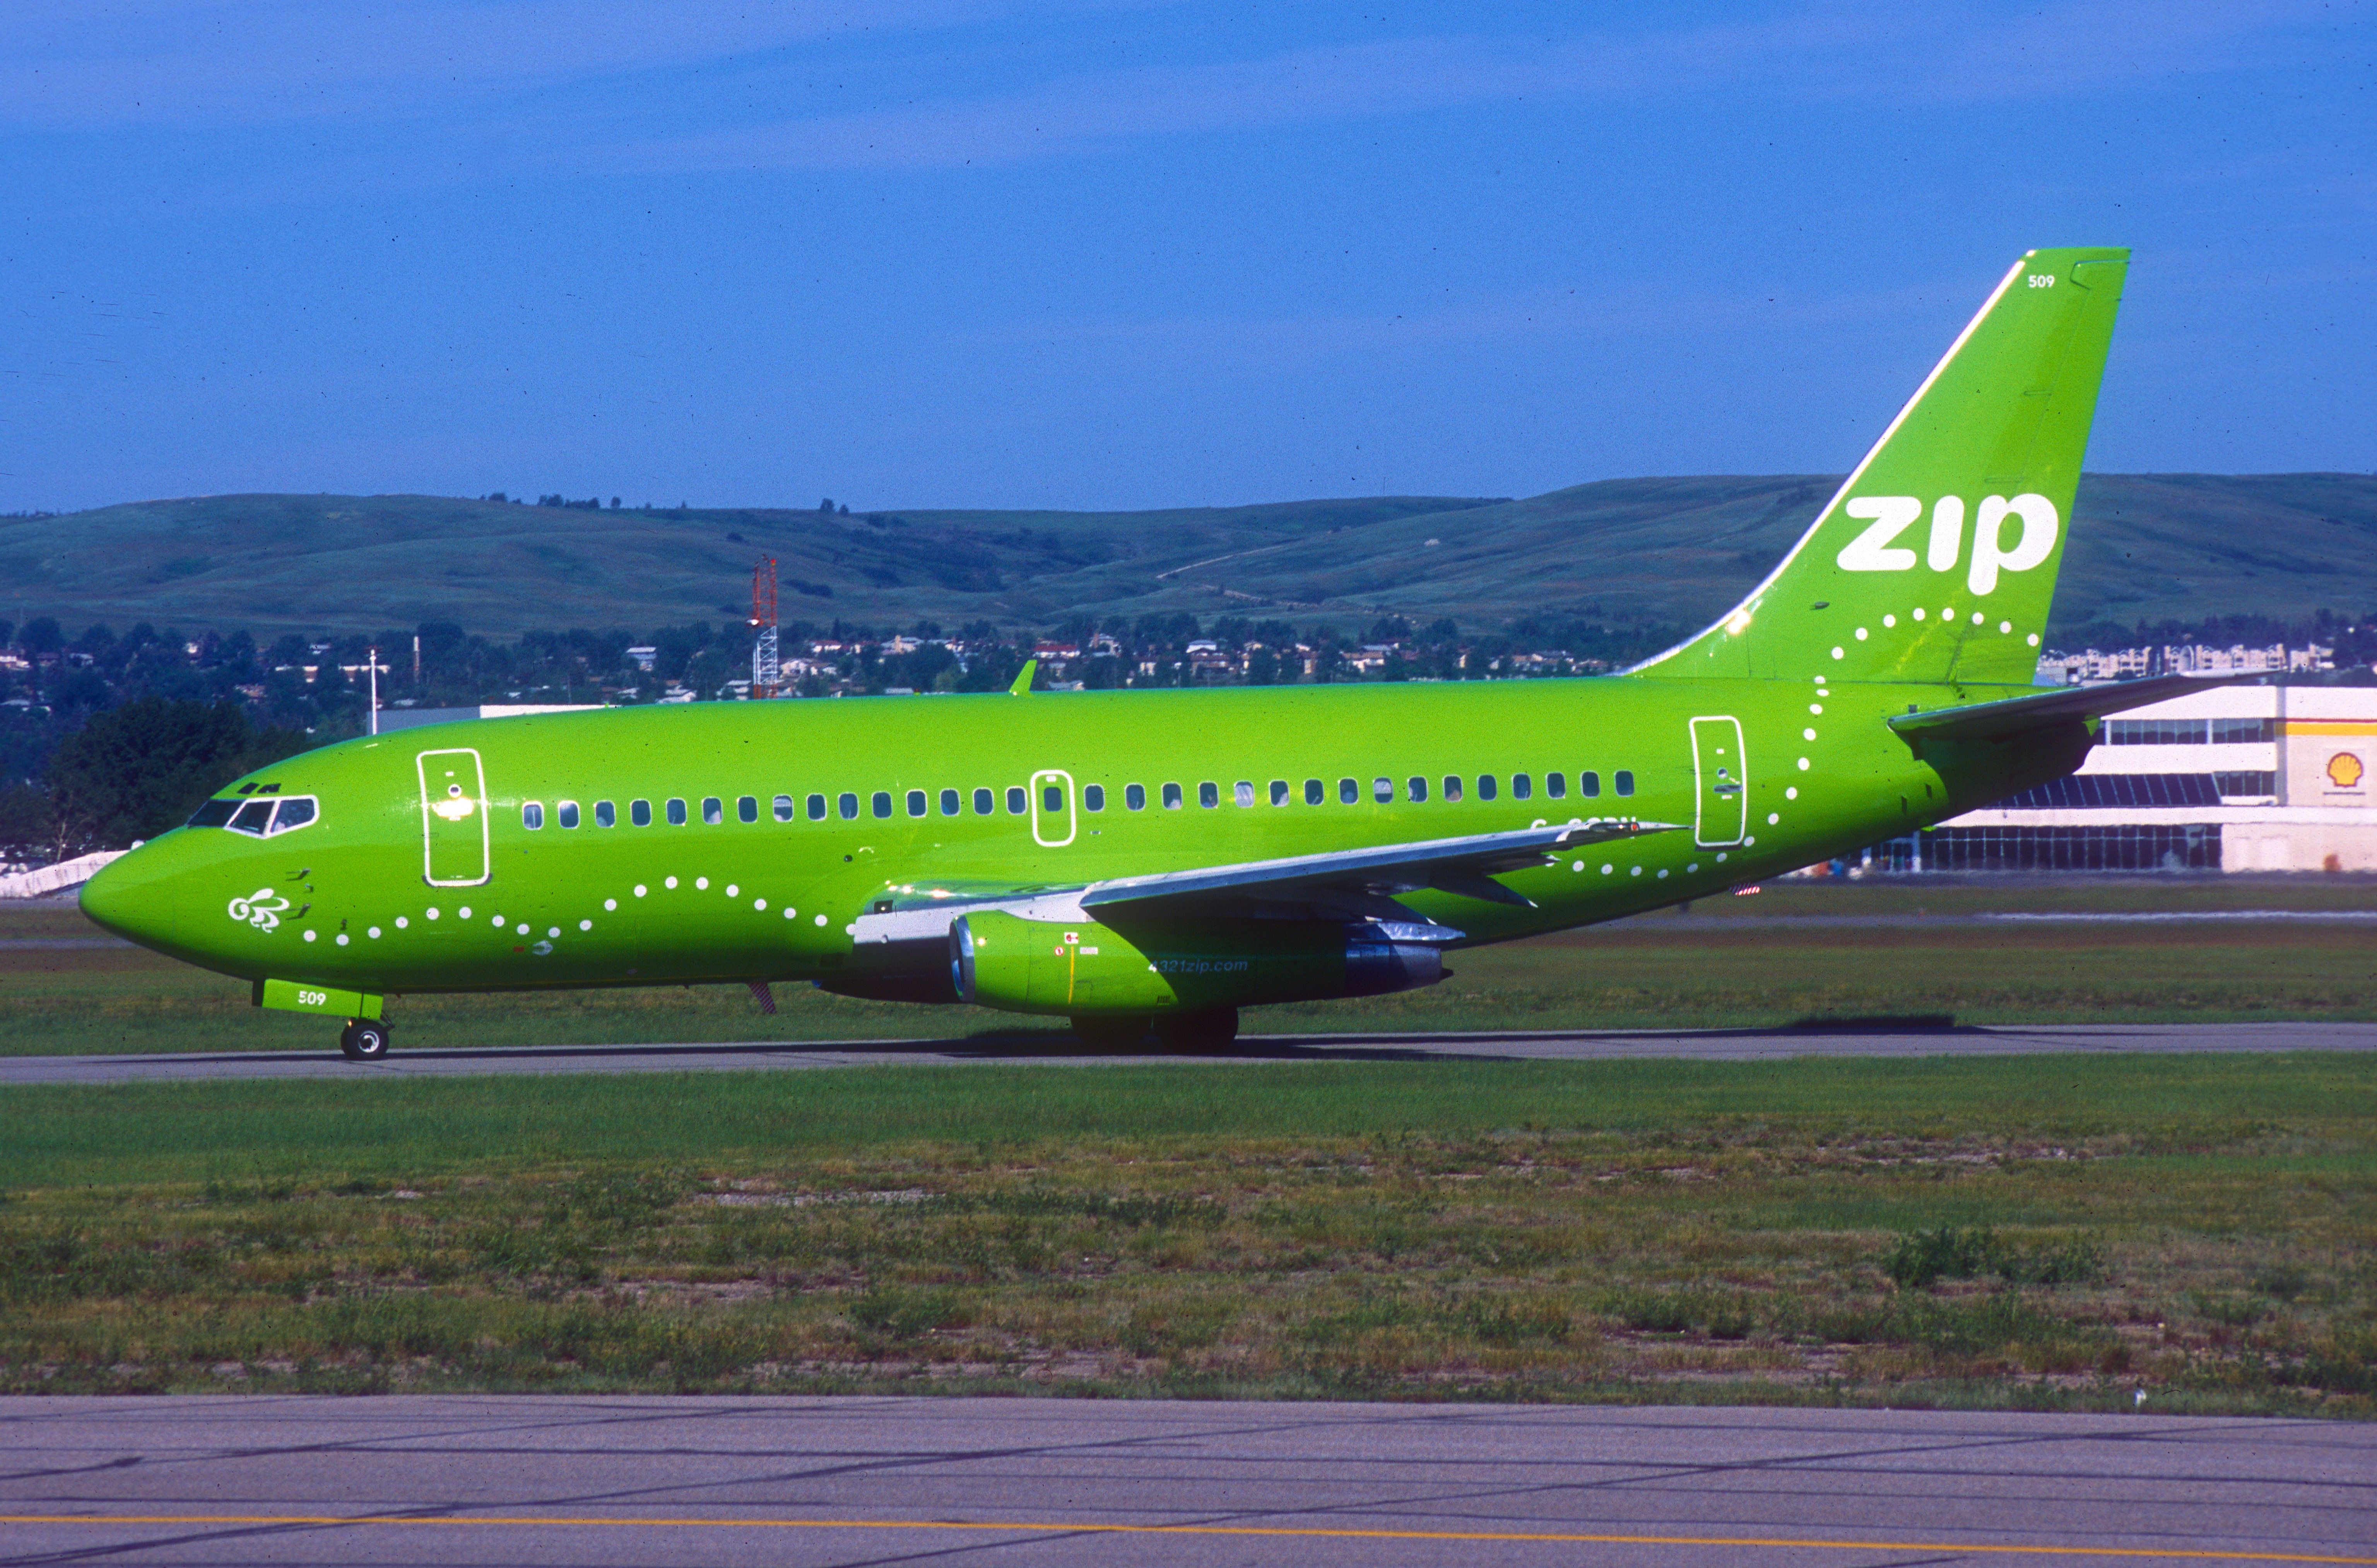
(363, 1039)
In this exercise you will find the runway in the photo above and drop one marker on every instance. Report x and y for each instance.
(1880, 1038)
(531, 1481)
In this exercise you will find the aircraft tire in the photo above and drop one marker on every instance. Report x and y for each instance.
(363, 1039)
(1113, 1035)
(1215, 1029)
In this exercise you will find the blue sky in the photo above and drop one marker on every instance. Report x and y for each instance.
(962, 252)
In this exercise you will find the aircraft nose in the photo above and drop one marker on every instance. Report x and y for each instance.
(128, 897)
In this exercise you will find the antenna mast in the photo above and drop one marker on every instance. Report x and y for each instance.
(766, 667)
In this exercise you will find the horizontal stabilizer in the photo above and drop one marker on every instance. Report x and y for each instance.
(2016, 716)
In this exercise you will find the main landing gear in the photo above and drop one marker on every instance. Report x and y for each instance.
(363, 1039)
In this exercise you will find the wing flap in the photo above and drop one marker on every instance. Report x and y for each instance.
(2013, 716)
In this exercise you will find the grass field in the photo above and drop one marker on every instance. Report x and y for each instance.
(1724, 963)
(2056, 1233)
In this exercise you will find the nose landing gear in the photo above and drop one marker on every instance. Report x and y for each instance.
(363, 1039)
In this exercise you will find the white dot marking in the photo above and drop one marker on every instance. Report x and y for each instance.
(610, 903)
(586, 925)
(640, 890)
(372, 934)
(1890, 621)
(309, 936)
(1861, 634)
(1773, 818)
(732, 891)
(401, 923)
(668, 882)
(1807, 734)
(1839, 654)
(464, 911)
(1803, 765)
(2005, 626)
(342, 939)
(1791, 792)
(701, 882)
(821, 919)
(759, 903)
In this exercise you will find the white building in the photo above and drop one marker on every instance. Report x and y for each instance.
(2231, 778)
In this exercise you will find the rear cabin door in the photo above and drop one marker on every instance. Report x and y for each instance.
(453, 818)
(1721, 777)
(1052, 808)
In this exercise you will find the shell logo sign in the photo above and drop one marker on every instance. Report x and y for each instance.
(2344, 770)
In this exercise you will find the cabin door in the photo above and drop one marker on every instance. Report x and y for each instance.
(1721, 781)
(453, 818)
(1052, 808)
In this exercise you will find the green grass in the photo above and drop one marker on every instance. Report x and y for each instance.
(1666, 549)
(2047, 1232)
(1697, 968)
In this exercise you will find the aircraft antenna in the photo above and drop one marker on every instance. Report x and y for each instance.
(767, 665)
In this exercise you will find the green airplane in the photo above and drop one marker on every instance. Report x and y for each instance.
(1149, 862)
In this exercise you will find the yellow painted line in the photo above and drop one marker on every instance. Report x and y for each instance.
(1080, 1527)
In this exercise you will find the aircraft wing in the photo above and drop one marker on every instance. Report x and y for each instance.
(1344, 883)
(2013, 716)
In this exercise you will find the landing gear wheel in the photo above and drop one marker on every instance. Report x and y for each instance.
(1113, 1035)
(363, 1039)
(1213, 1029)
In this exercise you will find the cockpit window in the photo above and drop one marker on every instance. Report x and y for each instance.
(261, 816)
(254, 817)
(295, 811)
(214, 813)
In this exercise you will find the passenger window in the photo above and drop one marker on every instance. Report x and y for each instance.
(1279, 791)
(915, 803)
(531, 814)
(605, 815)
(1243, 792)
(1588, 784)
(568, 814)
(782, 807)
(1171, 797)
(1093, 797)
(747, 808)
(1135, 796)
(1052, 797)
(641, 813)
(675, 812)
(1556, 786)
(1453, 786)
(1416, 787)
(882, 802)
(1209, 794)
(1314, 792)
(816, 808)
(1018, 802)
(1484, 786)
(1521, 786)
(1624, 779)
(1348, 791)
(951, 804)
(713, 811)
(295, 811)
(983, 803)
(846, 805)
(1382, 790)
(253, 817)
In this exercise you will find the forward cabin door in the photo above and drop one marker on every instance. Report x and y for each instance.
(1721, 783)
(453, 818)
(1052, 808)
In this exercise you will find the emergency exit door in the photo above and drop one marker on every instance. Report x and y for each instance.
(1721, 783)
(453, 818)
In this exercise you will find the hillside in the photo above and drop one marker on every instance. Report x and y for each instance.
(2145, 546)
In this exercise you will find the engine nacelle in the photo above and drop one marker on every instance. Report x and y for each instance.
(1085, 969)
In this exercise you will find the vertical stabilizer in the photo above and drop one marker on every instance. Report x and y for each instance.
(1936, 559)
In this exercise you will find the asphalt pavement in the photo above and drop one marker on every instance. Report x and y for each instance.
(1877, 1038)
(658, 1480)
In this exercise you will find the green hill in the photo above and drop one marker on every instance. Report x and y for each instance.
(2146, 546)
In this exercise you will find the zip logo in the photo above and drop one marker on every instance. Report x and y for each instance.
(1890, 515)
(261, 909)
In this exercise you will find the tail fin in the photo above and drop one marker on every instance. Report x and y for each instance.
(1936, 559)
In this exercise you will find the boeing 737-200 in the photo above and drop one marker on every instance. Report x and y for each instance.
(1151, 862)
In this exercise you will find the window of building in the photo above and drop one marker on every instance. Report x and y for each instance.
(845, 805)
(1521, 786)
(747, 808)
(2246, 784)
(1314, 792)
(1416, 788)
(918, 803)
(1349, 791)
(531, 814)
(882, 804)
(816, 808)
(1209, 794)
(675, 812)
(1588, 784)
(1243, 792)
(713, 811)
(983, 802)
(781, 807)
(566, 813)
(951, 802)
(641, 813)
(1018, 802)
(1093, 797)
(1484, 786)
(2244, 731)
(605, 815)
(1171, 797)
(1135, 796)
(1623, 780)
(1382, 790)
(1556, 786)
(295, 811)
(1453, 786)
(2165, 731)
